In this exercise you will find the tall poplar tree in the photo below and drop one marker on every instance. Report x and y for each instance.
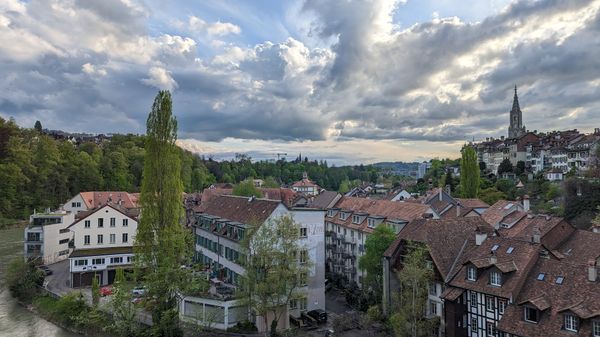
(162, 244)
(469, 173)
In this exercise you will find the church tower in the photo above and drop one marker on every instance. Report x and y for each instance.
(516, 128)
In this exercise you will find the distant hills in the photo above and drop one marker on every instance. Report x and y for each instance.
(399, 168)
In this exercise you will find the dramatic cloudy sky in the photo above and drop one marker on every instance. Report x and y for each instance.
(349, 81)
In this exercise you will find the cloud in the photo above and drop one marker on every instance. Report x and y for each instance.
(348, 74)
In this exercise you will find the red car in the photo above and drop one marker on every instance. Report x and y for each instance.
(106, 291)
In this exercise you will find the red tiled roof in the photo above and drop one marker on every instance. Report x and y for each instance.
(132, 213)
(472, 203)
(94, 199)
(241, 209)
(304, 183)
(495, 213)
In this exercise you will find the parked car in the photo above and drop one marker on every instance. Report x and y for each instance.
(328, 285)
(299, 322)
(138, 291)
(45, 270)
(318, 314)
(106, 291)
(329, 333)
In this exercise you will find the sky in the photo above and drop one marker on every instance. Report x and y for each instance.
(353, 81)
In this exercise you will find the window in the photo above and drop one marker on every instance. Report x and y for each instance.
(86, 240)
(433, 289)
(495, 278)
(115, 260)
(113, 222)
(474, 324)
(63, 252)
(495, 248)
(81, 262)
(63, 241)
(596, 328)
(490, 329)
(541, 276)
(125, 222)
(113, 238)
(303, 303)
(303, 279)
(571, 323)
(86, 224)
(129, 259)
(125, 237)
(303, 232)
(432, 308)
(473, 299)
(509, 250)
(501, 306)
(355, 219)
(97, 261)
(531, 315)
(293, 304)
(100, 239)
(490, 303)
(76, 204)
(100, 222)
(303, 256)
(560, 279)
(371, 223)
(472, 273)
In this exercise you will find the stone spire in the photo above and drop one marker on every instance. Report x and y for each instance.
(515, 106)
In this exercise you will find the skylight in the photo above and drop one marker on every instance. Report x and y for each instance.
(560, 279)
(510, 250)
(541, 276)
(495, 247)
(508, 206)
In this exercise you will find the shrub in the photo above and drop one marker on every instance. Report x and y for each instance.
(23, 279)
(374, 313)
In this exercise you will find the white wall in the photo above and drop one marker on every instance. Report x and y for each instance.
(75, 204)
(106, 213)
(52, 250)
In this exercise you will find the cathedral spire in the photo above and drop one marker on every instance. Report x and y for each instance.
(515, 106)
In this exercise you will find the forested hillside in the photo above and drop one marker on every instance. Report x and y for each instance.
(38, 171)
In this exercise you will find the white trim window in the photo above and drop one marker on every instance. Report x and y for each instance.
(490, 304)
(87, 224)
(125, 222)
(490, 328)
(495, 279)
(473, 299)
(473, 324)
(113, 222)
(472, 273)
(113, 238)
(86, 240)
(571, 323)
(501, 306)
(596, 328)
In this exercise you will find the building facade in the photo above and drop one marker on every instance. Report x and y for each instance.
(47, 237)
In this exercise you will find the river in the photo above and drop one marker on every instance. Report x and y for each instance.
(16, 321)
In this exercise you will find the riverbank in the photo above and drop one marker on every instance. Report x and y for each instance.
(12, 223)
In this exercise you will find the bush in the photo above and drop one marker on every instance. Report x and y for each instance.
(23, 279)
(243, 327)
(374, 313)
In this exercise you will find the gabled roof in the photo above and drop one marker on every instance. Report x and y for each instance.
(305, 182)
(94, 199)
(495, 213)
(240, 209)
(130, 213)
(325, 199)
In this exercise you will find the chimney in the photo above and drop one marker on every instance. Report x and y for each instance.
(458, 209)
(592, 271)
(480, 237)
(537, 235)
(448, 190)
(526, 203)
(440, 196)
(493, 258)
(427, 215)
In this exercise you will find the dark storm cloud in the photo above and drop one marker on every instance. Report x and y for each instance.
(92, 66)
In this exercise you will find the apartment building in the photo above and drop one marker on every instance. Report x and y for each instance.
(352, 219)
(223, 222)
(47, 237)
(103, 241)
(85, 201)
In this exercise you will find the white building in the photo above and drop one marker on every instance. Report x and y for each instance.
(47, 236)
(86, 201)
(223, 222)
(103, 241)
(306, 186)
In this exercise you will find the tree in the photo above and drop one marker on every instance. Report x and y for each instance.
(162, 244)
(95, 292)
(270, 182)
(344, 187)
(520, 169)
(375, 245)
(276, 266)
(482, 166)
(123, 310)
(247, 189)
(469, 173)
(505, 167)
(38, 126)
(491, 195)
(23, 279)
(409, 317)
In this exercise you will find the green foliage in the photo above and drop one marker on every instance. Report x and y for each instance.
(270, 182)
(247, 189)
(344, 187)
(22, 279)
(507, 187)
(123, 323)
(491, 195)
(374, 313)
(38, 126)
(520, 168)
(375, 245)
(409, 307)
(505, 167)
(469, 173)
(95, 292)
(482, 166)
(276, 266)
(581, 200)
(162, 243)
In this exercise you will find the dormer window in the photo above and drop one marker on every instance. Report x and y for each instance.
(344, 215)
(596, 328)
(495, 278)
(472, 273)
(571, 323)
(371, 223)
(532, 315)
(355, 219)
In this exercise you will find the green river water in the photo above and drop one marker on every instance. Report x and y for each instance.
(16, 321)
